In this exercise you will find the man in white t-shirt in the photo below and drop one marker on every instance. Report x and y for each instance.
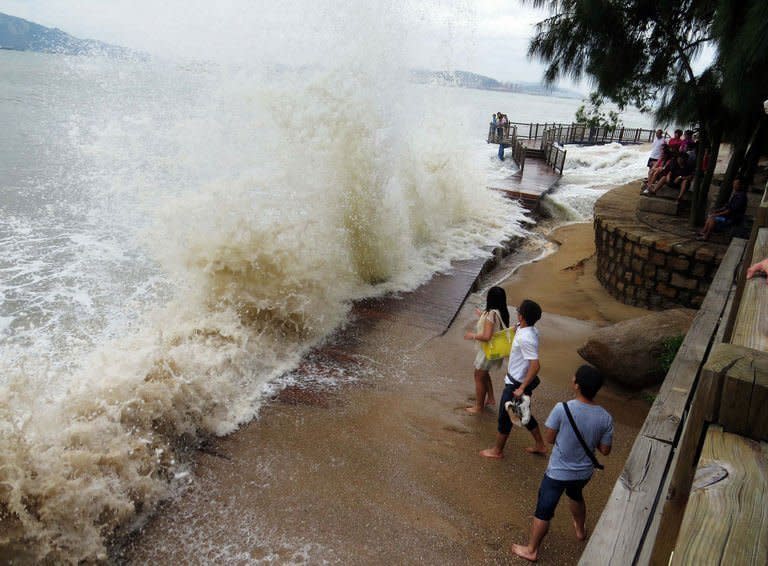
(521, 379)
(656, 148)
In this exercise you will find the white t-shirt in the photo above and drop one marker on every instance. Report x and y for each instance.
(658, 144)
(525, 347)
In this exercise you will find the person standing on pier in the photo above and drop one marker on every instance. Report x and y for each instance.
(575, 428)
(522, 378)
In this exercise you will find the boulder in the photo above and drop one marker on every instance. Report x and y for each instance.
(629, 352)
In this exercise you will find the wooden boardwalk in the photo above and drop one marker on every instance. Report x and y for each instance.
(434, 305)
(536, 180)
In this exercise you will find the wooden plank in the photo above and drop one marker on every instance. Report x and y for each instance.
(704, 406)
(726, 521)
(621, 527)
(630, 518)
(745, 394)
(762, 210)
(751, 326)
(663, 421)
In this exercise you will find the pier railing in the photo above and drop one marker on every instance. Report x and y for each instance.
(508, 133)
(554, 155)
(518, 153)
(580, 134)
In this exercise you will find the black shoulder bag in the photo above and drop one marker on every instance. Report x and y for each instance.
(589, 452)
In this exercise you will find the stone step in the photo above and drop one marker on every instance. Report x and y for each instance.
(659, 205)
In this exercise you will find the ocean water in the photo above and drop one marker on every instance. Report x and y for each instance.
(176, 235)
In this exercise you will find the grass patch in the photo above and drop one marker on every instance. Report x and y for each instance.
(669, 348)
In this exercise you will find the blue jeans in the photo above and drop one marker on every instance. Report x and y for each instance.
(549, 495)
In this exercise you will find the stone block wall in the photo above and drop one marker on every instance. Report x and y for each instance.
(650, 269)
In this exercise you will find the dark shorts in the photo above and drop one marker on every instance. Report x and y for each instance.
(651, 162)
(505, 423)
(549, 495)
(722, 222)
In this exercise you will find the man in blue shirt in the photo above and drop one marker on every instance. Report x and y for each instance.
(570, 467)
(729, 215)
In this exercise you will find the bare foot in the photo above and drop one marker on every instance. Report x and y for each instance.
(523, 552)
(536, 450)
(490, 403)
(473, 410)
(581, 531)
(491, 453)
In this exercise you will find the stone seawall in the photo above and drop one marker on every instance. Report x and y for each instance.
(642, 262)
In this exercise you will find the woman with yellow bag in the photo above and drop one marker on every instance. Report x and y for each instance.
(490, 349)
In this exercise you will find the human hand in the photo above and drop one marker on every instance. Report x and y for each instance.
(469, 336)
(518, 392)
(758, 268)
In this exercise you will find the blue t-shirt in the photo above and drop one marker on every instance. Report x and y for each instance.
(568, 460)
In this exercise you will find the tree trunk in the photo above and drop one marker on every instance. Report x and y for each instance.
(755, 147)
(734, 164)
(702, 180)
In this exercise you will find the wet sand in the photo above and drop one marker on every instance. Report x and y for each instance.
(385, 469)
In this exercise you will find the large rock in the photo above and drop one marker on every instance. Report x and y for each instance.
(630, 352)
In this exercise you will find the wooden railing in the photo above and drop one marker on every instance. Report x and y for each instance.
(554, 155)
(581, 134)
(508, 133)
(718, 376)
(518, 153)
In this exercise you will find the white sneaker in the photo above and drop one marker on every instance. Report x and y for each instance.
(645, 191)
(525, 409)
(514, 412)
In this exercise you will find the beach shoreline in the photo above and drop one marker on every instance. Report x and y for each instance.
(386, 468)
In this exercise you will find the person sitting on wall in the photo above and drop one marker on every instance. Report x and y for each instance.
(656, 148)
(675, 143)
(659, 169)
(729, 215)
(678, 175)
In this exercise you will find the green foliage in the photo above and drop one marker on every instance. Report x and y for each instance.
(648, 397)
(669, 348)
(644, 52)
(595, 117)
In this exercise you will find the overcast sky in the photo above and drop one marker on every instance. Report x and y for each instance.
(488, 37)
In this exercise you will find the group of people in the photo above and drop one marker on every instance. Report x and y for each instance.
(575, 429)
(500, 124)
(672, 162)
(500, 128)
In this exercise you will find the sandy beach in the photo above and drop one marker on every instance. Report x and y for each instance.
(385, 469)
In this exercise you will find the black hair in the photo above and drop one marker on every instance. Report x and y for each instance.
(497, 300)
(589, 381)
(679, 132)
(530, 311)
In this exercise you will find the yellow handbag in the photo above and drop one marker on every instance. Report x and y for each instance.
(500, 343)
